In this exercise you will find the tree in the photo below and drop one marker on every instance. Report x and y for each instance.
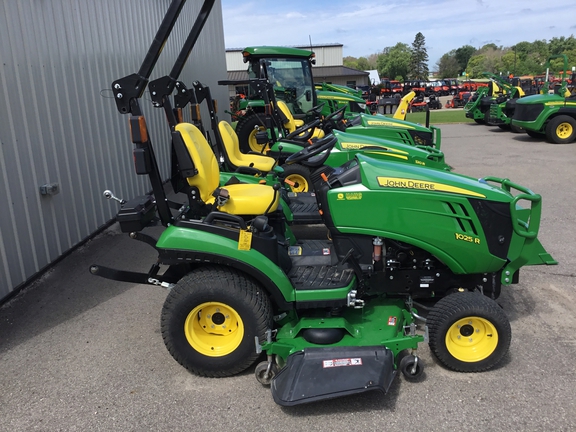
(419, 58)
(361, 63)
(394, 62)
(448, 66)
(463, 55)
(351, 62)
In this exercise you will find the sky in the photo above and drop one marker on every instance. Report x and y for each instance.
(367, 27)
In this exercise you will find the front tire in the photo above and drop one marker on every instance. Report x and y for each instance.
(468, 332)
(210, 319)
(298, 177)
(561, 130)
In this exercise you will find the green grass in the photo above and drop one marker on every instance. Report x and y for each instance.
(441, 116)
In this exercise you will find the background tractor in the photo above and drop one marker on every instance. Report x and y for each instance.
(551, 116)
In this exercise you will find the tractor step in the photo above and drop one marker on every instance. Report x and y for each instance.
(314, 277)
(304, 208)
(315, 374)
(312, 253)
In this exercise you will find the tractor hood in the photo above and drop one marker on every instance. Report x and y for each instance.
(380, 120)
(350, 143)
(380, 175)
(471, 225)
(548, 99)
(324, 95)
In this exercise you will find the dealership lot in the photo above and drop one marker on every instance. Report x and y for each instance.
(84, 353)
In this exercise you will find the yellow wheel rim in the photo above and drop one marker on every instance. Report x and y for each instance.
(471, 339)
(254, 146)
(564, 130)
(214, 329)
(299, 181)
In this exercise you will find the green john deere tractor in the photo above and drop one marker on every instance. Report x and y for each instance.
(331, 317)
(550, 116)
(289, 70)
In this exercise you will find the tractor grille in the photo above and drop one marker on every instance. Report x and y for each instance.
(462, 218)
(527, 112)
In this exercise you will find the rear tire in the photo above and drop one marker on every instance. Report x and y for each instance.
(561, 130)
(468, 332)
(210, 319)
(246, 131)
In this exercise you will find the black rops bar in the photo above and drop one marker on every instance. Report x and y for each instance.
(132, 86)
(163, 87)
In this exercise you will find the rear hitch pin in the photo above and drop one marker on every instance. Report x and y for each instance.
(157, 282)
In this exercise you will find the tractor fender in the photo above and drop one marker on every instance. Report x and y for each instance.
(180, 245)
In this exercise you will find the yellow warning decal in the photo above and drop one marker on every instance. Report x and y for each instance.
(245, 240)
(357, 146)
(384, 153)
(402, 183)
(560, 103)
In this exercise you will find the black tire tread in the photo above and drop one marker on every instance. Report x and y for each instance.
(211, 279)
(300, 170)
(244, 128)
(554, 123)
(455, 306)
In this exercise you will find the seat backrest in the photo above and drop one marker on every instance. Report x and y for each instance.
(207, 178)
(290, 123)
(231, 143)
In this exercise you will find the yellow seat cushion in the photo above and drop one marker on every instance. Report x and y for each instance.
(245, 199)
(292, 124)
(236, 157)
(248, 199)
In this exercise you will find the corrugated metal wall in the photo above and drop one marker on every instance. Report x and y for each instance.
(59, 123)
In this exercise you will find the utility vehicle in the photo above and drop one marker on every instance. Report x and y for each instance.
(333, 317)
(479, 103)
(502, 108)
(550, 116)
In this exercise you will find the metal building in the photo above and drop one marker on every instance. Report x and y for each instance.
(62, 141)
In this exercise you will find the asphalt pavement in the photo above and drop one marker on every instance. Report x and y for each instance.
(81, 353)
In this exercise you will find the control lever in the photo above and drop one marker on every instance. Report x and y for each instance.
(108, 194)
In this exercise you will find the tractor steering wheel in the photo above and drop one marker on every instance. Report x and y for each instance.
(305, 127)
(335, 120)
(337, 115)
(316, 110)
(315, 149)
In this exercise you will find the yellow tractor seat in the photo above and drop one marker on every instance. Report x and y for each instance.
(292, 124)
(242, 199)
(236, 157)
